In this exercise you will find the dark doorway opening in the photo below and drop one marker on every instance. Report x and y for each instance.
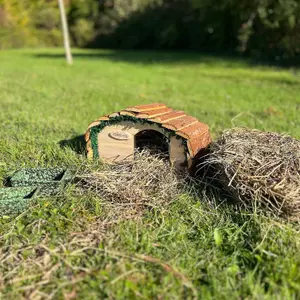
(153, 141)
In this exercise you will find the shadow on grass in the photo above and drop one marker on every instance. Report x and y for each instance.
(147, 57)
(77, 144)
(7, 181)
(168, 57)
(185, 58)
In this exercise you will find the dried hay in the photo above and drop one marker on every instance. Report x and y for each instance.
(54, 269)
(146, 181)
(259, 169)
(125, 190)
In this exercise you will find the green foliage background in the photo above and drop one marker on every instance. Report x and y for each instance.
(260, 28)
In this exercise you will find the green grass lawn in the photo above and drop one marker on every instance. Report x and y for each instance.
(67, 246)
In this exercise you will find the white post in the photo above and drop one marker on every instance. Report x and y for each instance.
(65, 31)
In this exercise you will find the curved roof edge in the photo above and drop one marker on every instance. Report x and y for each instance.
(187, 127)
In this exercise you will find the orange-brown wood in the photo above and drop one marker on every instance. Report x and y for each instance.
(154, 113)
(200, 142)
(145, 107)
(104, 118)
(180, 123)
(95, 123)
(117, 142)
(115, 114)
(87, 135)
(175, 114)
(127, 113)
(192, 131)
(89, 149)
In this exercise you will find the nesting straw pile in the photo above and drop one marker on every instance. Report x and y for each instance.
(259, 169)
(147, 181)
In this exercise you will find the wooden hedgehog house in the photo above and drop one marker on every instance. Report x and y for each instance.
(116, 136)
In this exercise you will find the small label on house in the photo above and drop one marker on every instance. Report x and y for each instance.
(119, 135)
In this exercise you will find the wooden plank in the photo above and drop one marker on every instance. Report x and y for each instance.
(115, 114)
(167, 117)
(145, 107)
(177, 153)
(95, 123)
(87, 135)
(89, 149)
(180, 123)
(200, 142)
(127, 113)
(104, 118)
(154, 113)
(114, 149)
(193, 131)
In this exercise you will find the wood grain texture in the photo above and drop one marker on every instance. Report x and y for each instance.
(180, 123)
(199, 143)
(117, 150)
(167, 117)
(145, 107)
(154, 113)
(192, 132)
(178, 155)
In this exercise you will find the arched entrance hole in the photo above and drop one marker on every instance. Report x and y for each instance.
(153, 141)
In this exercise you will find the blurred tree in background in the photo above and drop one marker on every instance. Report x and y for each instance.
(29, 23)
(260, 28)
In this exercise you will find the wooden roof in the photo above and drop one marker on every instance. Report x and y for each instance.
(189, 128)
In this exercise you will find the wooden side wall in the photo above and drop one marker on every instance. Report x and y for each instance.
(117, 142)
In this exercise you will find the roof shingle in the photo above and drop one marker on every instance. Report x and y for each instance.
(145, 107)
(189, 128)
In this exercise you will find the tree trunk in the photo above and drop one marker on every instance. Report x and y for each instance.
(65, 32)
